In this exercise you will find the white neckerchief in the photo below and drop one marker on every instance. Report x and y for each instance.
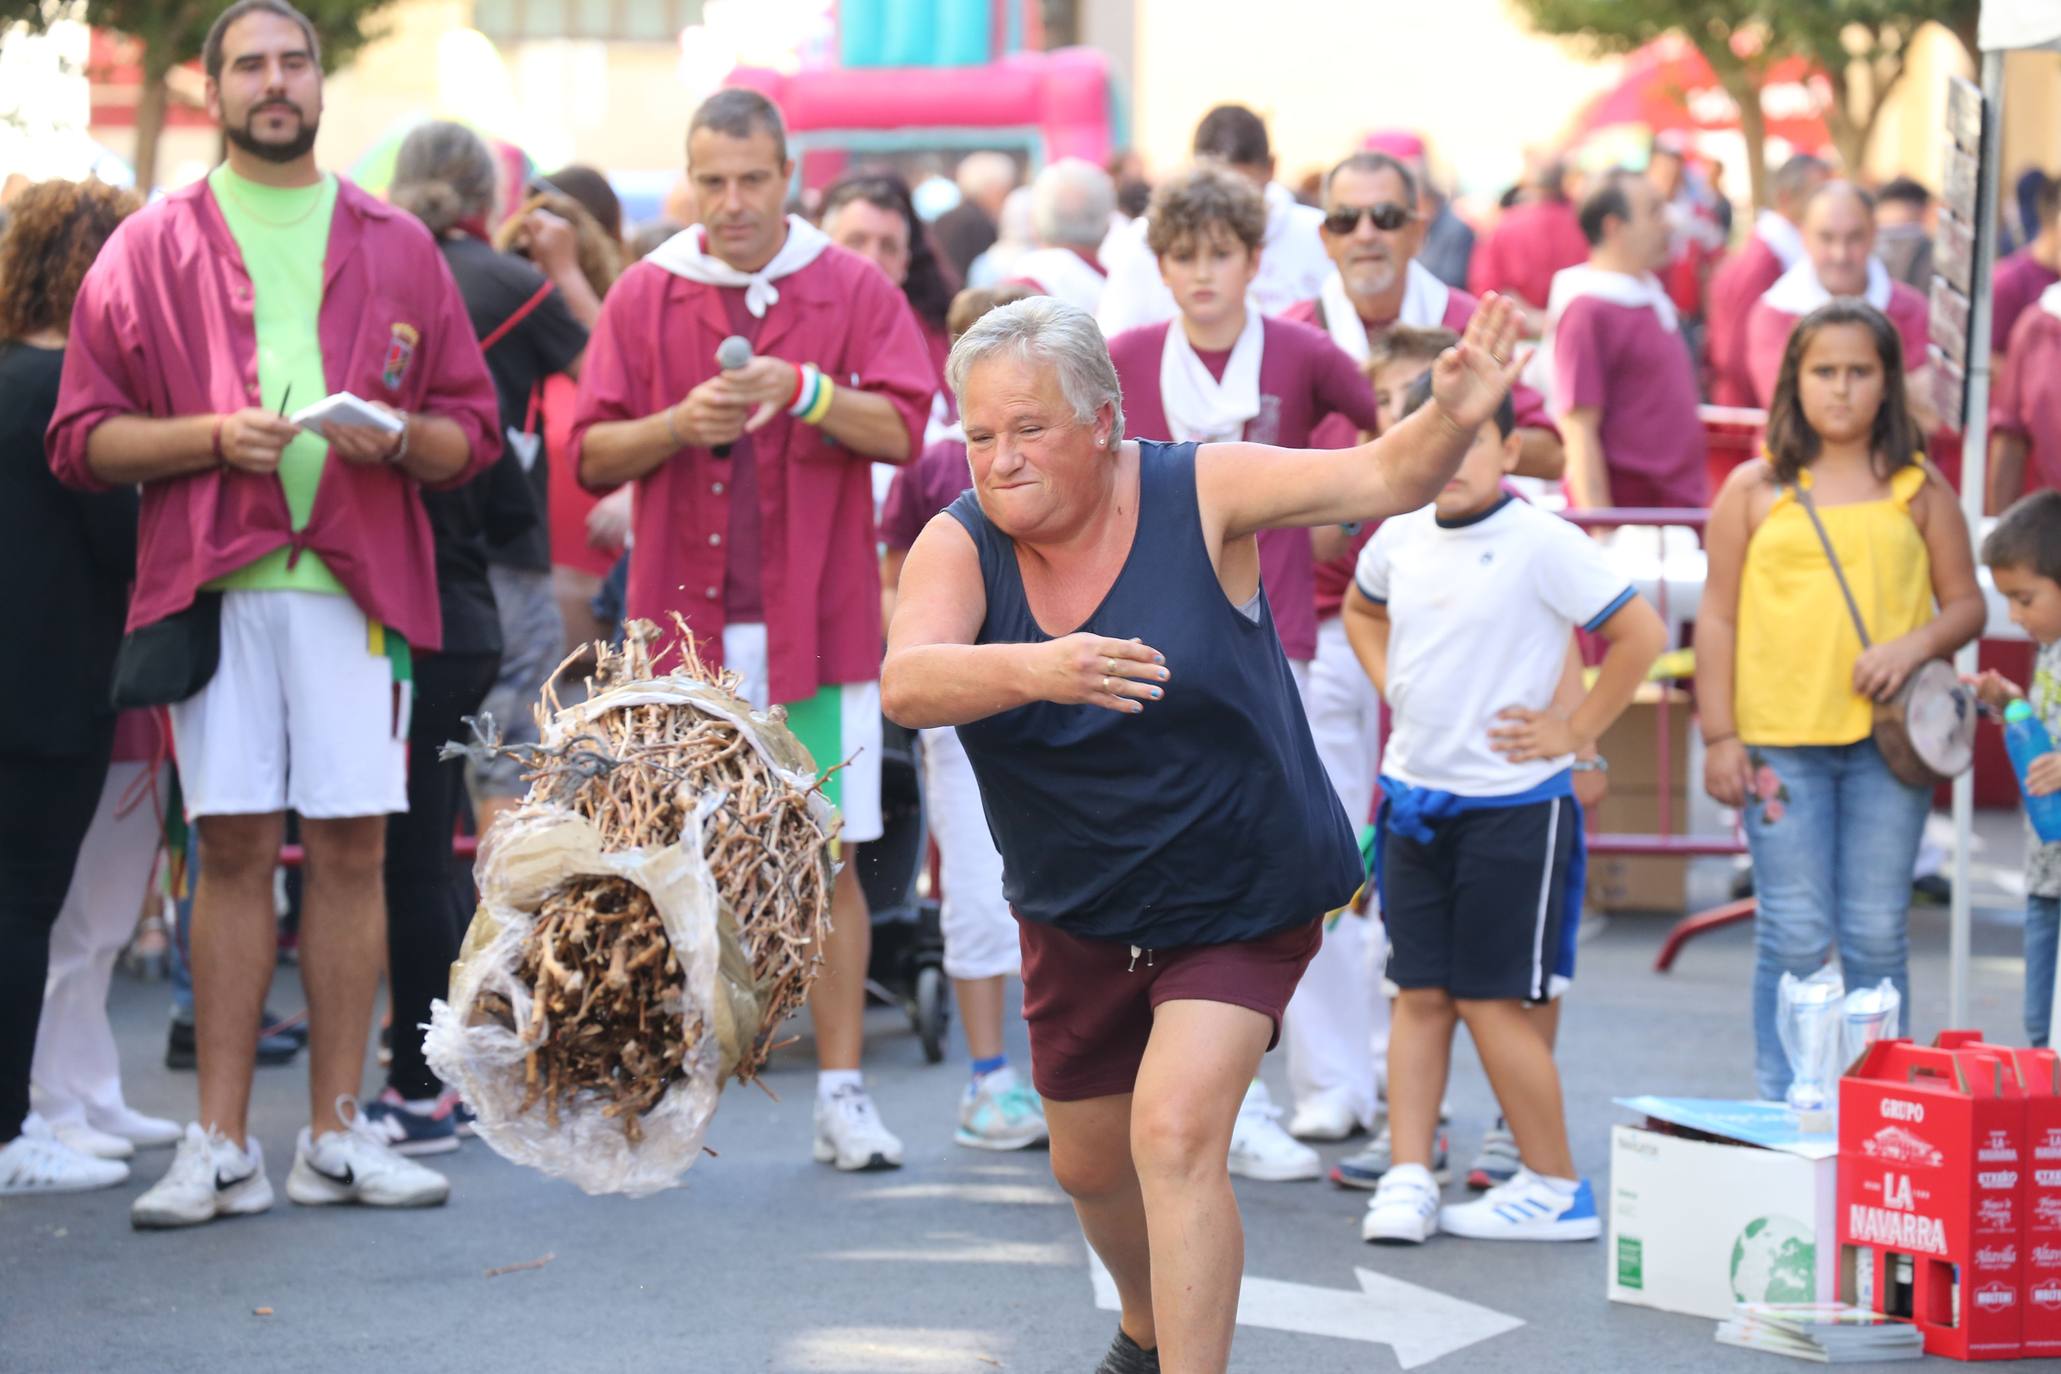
(1424, 307)
(2050, 300)
(1063, 273)
(1584, 279)
(1798, 291)
(1783, 239)
(684, 256)
(1197, 405)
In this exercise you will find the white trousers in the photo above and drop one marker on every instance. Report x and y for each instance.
(1335, 1029)
(980, 934)
(76, 1074)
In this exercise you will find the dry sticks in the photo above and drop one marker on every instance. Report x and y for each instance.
(609, 1020)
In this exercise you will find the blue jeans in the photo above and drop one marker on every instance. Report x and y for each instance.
(2042, 944)
(1833, 836)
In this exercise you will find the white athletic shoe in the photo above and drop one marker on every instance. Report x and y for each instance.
(1526, 1208)
(1404, 1209)
(38, 1162)
(1000, 1112)
(1260, 1149)
(1324, 1116)
(850, 1133)
(209, 1178)
(357, 1165)
(87, 1141)
(144, 1132)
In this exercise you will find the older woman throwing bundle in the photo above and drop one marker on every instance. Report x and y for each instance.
(1089, 616)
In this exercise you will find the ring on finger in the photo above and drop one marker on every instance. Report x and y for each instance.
(1105, 687)
(1112, 666)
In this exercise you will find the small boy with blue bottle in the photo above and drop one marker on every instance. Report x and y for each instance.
(2023, 555)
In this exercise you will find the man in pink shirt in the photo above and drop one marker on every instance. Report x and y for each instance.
(1217, 372)
(1373, 232)
(1839, 260)
(305, 560)
(1774, 246)
(1623, 386)
(2020, 278)
(754, 511)
(1534, 239)
(2025, 413)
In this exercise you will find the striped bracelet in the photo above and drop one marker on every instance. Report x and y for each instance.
(826, 392)
(807, 391)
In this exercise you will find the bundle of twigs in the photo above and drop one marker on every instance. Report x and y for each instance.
(603, 972)
(608, 1016)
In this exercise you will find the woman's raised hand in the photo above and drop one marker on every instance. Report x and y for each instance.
(1470, 379)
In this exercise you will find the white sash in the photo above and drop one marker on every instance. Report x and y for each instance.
(1783, 239)
(1618, 288)
(684, 256)
(1197, 405)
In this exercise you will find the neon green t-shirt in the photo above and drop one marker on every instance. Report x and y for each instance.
(283, 234)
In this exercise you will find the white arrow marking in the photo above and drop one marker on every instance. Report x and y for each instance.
(1419, 1324)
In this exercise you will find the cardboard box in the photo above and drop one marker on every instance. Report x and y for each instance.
(1643, 882)
(1700, 1224)
(1933, 1181)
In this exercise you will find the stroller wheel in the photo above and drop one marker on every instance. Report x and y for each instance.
(933, 1012)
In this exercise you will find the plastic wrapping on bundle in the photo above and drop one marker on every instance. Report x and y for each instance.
(1808, 1017)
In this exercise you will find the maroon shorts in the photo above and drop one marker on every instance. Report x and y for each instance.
(1089, 1004)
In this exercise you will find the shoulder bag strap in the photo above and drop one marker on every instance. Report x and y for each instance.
(1803, 498)
(522, 312)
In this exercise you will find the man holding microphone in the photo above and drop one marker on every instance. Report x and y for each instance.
(754, 510)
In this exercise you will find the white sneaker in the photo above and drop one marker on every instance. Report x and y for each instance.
(850, 1134)
(209, 1178)
(144, 1132)
(38, 1162)
(356, 1165)
(75, 1133)
(1260, 1149)
(1526, 1208)
(1323, 1117)
(1000, 1112)
(1404, 1209)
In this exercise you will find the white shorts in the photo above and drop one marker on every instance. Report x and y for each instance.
(301, 715)
(980, 934)
(840, 724)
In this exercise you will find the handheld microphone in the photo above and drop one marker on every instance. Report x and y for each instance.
(732, 355)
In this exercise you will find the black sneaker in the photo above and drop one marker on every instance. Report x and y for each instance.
(182, 1053)
(1126, 1356)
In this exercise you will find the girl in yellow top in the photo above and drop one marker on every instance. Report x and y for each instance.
(1785, 692)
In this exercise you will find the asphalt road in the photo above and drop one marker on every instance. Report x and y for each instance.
(961, 1261)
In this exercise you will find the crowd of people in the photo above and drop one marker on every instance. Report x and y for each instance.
(1177, 522)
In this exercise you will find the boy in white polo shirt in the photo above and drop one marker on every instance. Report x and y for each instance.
(1461, 614)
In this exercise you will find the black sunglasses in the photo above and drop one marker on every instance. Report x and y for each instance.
(1387, 216)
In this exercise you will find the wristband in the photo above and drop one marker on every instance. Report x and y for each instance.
(801, 384)
(820, 407)
(215, 444)
(1709, 740)
(807, 392)
(401, 449)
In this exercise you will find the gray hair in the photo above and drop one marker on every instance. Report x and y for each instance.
(1072, 201)
(1050, 332)
(986, 171)
(739, 112)
(444, 175)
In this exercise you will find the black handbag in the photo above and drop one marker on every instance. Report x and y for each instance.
(169, 660)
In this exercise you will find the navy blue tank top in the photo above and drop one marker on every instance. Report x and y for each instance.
(1206, 818)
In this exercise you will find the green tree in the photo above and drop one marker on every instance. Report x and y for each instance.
(1862, 46)
(1732, 35)
(172, 32)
